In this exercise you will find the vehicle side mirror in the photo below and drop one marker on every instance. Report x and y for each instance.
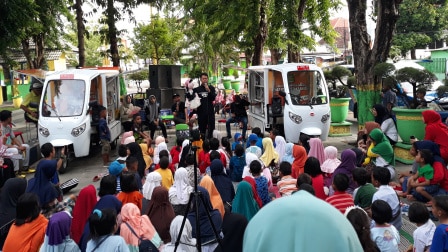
(282, 93)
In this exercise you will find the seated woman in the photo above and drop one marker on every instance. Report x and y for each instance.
(363, 135)
(436, 131)
(28, 231)
(127, 111)
(179, 193)
(57, 236)
(382, 153)
(9, 196)
(45, 190)
(161, 213)
(187, 242)
(387, 123)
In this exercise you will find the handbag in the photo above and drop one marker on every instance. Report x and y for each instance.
(144, 245)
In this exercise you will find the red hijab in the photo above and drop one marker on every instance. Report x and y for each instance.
(83, 208)
(300, 157)
(251, 181)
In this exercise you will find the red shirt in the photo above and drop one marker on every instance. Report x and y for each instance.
(341, 200)
(174, 152)
(204, 161)
(318, 185)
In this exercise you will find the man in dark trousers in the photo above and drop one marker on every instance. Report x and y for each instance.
(206, 115)
(178, 109)
(239, 115)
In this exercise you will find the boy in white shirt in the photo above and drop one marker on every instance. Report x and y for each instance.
(419, 214)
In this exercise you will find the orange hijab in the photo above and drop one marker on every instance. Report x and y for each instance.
(300, 156)
(215, 197)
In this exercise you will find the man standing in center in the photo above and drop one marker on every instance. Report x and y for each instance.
(206, 115)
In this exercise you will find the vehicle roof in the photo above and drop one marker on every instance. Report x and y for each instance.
(83, 73)
(285, 67)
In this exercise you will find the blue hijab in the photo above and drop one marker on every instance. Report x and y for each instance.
(41, 184)
(222, 181)
(205, 226)
(288, 153)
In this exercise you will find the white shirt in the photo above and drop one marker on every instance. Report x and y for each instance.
(386, 238)
(388, 194)
(389, 129)
(423, 236)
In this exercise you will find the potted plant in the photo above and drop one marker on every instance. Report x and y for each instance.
(235, 83)
(339, 101)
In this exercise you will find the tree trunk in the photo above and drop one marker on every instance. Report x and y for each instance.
(81, 30)
(413, 56)
(275, 56)
(113, 40)
(39, 57)
(7, 73)
(367, 56)
(293, 54)
(26, 52)
(260, 39)
(248, 55)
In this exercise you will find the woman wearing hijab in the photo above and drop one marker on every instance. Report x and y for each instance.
(140, 224)
(84, 205)
(300, 156)
(147, 151)
(222, 181)
(387, 123)
(348, 164)
(57, 236)
(161, 212)
(42, 186)
(136, 151)
(233, 227)
(244, 202)
(179, 193)
(436, 131)
(28, 231)
(187, 242)
(287, 157)
(269, 153)
(253, 184)
(249, 158)
(320, 227)
(317, 150)
(159, 147)
(126, 135)
(7, 170)
(153, 180)
(330, 164)
(382, 151)
(10, 193)
(280, 146)
(363, 135)
(127, 110)
(183, 153)
(213, 193)
(207, 234)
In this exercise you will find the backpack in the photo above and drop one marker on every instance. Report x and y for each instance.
(143, 244)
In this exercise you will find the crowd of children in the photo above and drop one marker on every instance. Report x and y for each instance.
(148, 185)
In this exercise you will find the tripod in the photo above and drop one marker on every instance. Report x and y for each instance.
(196, 196)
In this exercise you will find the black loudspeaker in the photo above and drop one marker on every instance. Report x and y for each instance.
(276, 106)
(164, 96)
(164, 76)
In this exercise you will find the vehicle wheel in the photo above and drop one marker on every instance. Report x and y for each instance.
(64, 165)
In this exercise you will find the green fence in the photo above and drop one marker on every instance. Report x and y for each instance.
(436, 66)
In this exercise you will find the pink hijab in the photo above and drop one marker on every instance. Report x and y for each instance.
(317, 150)
(331, 160)
(125, 136)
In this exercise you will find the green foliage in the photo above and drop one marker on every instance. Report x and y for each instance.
(334, 76)
(383, 70)
(421, 22)
(441, 91)
(418, 78)
(93, 47)
(139, 75)
(161, 39)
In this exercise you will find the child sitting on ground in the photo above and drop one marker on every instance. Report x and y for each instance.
(175, 152)
(132, 166)
(204, 156)
(129, 190)
(385, 235)
(340, 199)
(137, 128)
(237, 163)
(115, 168)
(261, 182)
(253, 148)
(122, 153)
(440, 211)
(381, 179)
(419, 214)
(364, 193)
(167, 175)
(421, 181)
(286, 184)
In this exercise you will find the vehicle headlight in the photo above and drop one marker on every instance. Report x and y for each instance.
(44, 131)
(78, 130)
(325, 118)
(295, 118)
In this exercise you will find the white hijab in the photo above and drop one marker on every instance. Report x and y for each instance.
(280, 146)
(180, 191)
(185, 238)
(153, 180)
(161, 146)
(249, 158)
(184, 143)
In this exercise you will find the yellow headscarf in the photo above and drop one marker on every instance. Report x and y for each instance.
(269, 152)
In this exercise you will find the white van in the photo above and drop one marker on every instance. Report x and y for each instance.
(293, 97)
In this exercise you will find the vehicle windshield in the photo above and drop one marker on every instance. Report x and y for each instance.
(307, 88)
(63, 98)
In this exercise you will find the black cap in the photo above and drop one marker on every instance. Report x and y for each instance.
(175, 95)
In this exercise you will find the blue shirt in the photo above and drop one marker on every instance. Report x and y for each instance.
(104, 130)
(440, 239)
(262, 189)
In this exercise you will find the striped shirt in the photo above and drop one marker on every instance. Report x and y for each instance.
(287, 185)
(341, 200)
